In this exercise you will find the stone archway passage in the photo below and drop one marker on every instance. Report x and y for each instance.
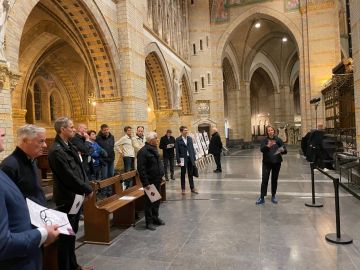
(159, 87)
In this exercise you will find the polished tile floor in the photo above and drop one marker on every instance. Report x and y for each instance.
(222, 228)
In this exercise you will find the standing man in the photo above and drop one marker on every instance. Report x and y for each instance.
(106, 141)
(69, 180)
(185, 157)
(150, 171)
(125, 147)
(138, 140)
(21, 166)
(83, 145)
(167, 144)
(20, 243)
(215, 148)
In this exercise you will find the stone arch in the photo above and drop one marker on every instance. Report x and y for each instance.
(230, 56)
(255, 51)
(258, 11)
(268, 67)
(96, 39)
(186, 94)
(157, 62)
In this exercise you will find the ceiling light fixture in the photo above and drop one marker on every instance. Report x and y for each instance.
(284, 39)
(257, 25)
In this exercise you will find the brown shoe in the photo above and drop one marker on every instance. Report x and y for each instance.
(194, 191)
(183, 192)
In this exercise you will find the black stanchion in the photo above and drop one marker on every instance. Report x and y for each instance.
(337, 238)
(313, 203)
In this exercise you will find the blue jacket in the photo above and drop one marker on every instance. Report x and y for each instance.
(97, 154)
(19, 242)
(182, 149)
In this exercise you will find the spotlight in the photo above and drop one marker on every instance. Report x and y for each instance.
(284, 39)
(257, 25)
(315, 100)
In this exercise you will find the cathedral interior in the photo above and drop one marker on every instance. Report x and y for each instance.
(237, 65)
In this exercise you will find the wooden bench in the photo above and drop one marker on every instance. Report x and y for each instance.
(97, 213)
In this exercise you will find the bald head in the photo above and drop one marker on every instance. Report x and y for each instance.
(214, 130)
(81, 129)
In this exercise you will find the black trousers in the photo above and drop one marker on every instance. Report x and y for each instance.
(274, 168)
(129, 165)
(217, 158)
(189, 167)
(66, 246)
(152, 208)
(169, 161)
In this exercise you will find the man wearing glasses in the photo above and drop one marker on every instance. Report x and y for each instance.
(69, 179)
(19, 242)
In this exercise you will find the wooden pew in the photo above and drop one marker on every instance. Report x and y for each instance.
(97, 213)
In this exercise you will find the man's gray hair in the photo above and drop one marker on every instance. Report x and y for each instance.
(151, 135)
(29, 131)
(60, 123)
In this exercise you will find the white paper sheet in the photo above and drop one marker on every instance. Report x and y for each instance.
(127, 198)
(41, 216)
(78, 201)
(182, 162)
(153, 193)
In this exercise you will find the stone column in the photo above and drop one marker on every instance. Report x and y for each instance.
(247, 112)
(131, 108)
(168, 119)
(8, 81)
(355, 27)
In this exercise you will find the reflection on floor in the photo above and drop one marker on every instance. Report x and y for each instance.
(222, 228)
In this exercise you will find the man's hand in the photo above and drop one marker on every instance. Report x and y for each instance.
(86, 136)
(53, 234)
(147, 187)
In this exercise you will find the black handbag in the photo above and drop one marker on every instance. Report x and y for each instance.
(195, 171)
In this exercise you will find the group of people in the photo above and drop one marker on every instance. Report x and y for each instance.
(21, 243)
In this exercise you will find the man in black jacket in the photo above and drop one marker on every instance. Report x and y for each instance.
(83, 145)
(167, 144)
(69, 179)
(150, 171)
(185, 157)
(215, 148)
(21, 166)
(106, 141)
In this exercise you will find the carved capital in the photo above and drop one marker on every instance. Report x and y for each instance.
(19, 113)
(8, 78)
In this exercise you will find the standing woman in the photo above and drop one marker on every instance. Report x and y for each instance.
(272, 148)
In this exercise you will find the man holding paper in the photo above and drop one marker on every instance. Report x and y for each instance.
(167, 144)
(70, 186)
(19, 242)
(185, 156)
(151, 172)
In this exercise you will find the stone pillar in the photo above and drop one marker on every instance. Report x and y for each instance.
(245, 85)
(8, 81)
(320, 19)
(168, 119)
(355, 29)
(131, 108)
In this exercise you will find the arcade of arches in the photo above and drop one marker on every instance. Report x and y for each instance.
(158, 64)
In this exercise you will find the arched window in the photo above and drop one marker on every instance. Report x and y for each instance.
(37, 102)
